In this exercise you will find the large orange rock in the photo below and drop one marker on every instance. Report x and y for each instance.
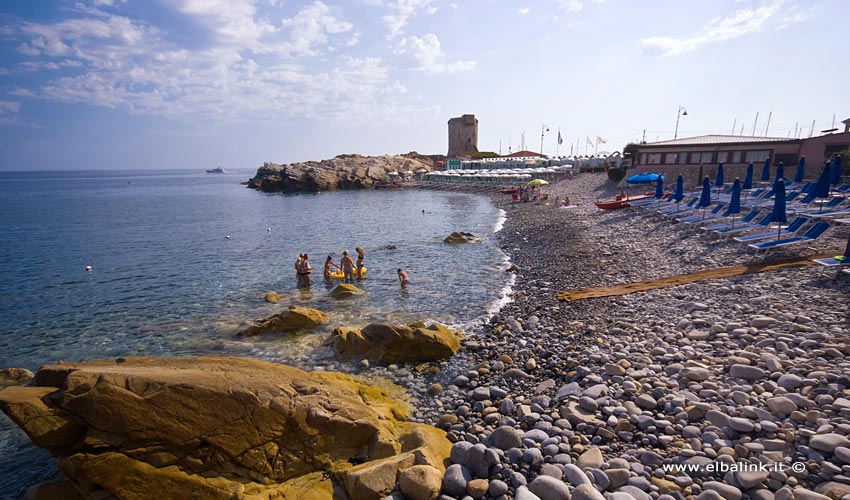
(294, 319)
(395, 343)
(216, 427)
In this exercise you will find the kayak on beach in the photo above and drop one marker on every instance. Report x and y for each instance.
(619, 202)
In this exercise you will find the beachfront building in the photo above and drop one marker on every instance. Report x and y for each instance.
(692, 156)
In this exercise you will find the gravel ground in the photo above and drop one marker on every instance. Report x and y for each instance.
(722, 389)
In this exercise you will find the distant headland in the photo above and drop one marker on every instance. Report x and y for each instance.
(348, 171)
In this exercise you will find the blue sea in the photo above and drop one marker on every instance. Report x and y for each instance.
(181, 260)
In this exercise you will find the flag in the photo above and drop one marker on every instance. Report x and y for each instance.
(560, 139)
(589, 141)
(601, 139)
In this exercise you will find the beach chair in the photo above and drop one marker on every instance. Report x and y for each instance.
(792, 228)
(681, 208)
(812, 234)
(843, 188)
(830, 206)
(728, 231)
(714, 218)
(751, 215)
(701, 215)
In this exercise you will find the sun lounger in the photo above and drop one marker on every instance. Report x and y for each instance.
(761, 224)
(830, 206)
(702, 214)
(752, 214)
(792, 228)
(812, 234)
(680, 208)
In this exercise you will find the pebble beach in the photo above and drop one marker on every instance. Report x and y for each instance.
(720, 389)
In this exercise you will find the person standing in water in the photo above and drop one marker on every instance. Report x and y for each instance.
(304, 271)
(328, 263)
(403, 278)
(361, 254)
(298, 262)
(347, 265)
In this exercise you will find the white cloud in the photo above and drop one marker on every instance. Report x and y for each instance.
(246, 68)
(574, 5)
(401, 11)
(9, 107)
(523, 11)
(311, 26)
(719, 29)
(427, 53)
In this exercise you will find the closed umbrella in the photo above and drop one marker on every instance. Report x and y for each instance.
(718, 182)
(705, 197)
(780, 171)
(679, 195)
(801, 170)
(835, 172)
(748, 180)
(735, 202)
(822, 186)
(779, 214)
(659, 188)
(765, 171)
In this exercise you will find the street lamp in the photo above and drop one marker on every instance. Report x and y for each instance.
(682, 112)
(543, 130)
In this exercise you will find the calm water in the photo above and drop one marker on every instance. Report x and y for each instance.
(166, 280)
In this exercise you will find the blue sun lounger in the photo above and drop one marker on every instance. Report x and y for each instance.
(752, 214)
(702, 215)
(812, 234)
(678, 209)
(792, 228)
(761, 224)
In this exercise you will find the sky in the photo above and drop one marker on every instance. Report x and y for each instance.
(154, 84)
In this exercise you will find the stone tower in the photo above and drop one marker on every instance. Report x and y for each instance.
(463, 135)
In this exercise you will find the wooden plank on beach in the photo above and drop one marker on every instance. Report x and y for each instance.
(682, 279)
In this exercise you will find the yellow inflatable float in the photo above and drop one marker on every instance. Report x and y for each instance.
(336, 274)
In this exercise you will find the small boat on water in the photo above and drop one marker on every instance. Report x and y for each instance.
(216, 170)
(620, 202)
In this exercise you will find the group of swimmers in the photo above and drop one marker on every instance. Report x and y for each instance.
(346, 265)
(349, 268)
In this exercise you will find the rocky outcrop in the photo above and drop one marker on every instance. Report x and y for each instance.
(341, 172)
(395, 343)
(459, 237)
(219, 428)
(345, 290)
(294, 319)
(15, 376)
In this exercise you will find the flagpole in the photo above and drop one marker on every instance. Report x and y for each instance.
(558, 142)
(596, 147)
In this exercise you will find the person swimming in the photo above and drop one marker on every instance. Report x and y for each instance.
(347, 265)
(327, 270)
(403, 278)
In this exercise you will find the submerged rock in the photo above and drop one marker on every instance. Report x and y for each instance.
(345, 290)
(459, 237)
(292, 320)
(219, 428)
(395, 343)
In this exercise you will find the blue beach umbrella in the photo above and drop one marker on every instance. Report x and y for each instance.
(765, 171)
(801, 170)
(718, 182)
(705, 196)
(822, 186)
(748, 180)
(780, 171)
(679, 195)
(779, 214)
(735, 202)
(659, 187)
(835, 172)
